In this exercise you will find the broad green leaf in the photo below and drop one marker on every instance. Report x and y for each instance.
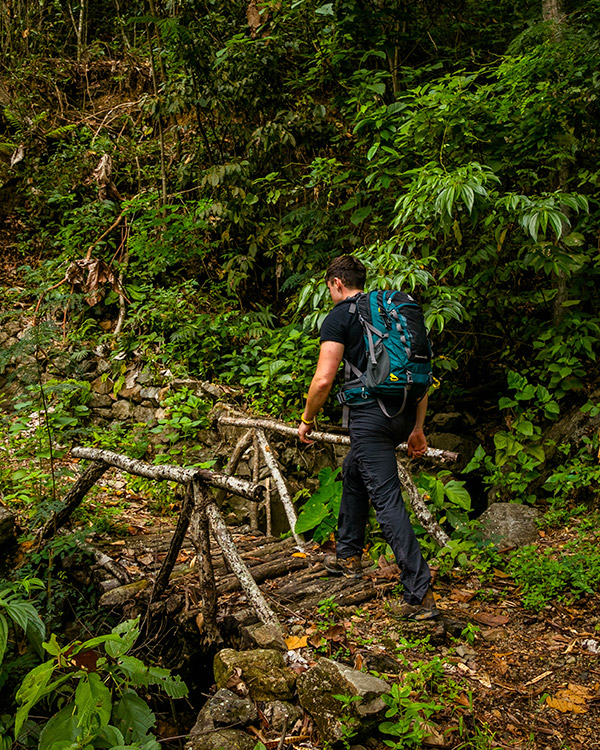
(33, 687)
(458, 495)
(536, 451)
(524, 427)
(61, 731)
(500, 440)
(140, 674)
(133, 717)
(22, 613)
(325, 10)
(93, 701)
(360, 215)
(110, 737)
(3, 636)
(378, 88)
(127, 633)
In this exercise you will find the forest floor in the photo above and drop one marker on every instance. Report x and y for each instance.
(506, 676)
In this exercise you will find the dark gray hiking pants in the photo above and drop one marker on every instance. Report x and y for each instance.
(370, 471)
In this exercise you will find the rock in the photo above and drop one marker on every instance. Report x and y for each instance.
(263, 671)
(7, 527)
(316, 690)
(100, 401)
(373, 661)
(145, 378)
(102, 385)
(122, 410)
(281, 714)
(131, 394)
(102, 366)
(464, 446)
(260, 635)
(144, 415)
(224, 739)
(449, 422)
(226, 709)
(150, 394)
(27, 374)
(510, 524)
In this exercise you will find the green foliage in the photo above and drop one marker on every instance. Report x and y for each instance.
(101, 705)
(446, 497)
(564, 575)
(407, 715)
(23, 614)
(319, 513)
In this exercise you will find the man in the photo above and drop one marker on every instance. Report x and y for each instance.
(369, 470)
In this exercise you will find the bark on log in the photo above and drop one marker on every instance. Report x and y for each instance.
(223, 537)
(284, 495)
(421, 510)
(255, 478)
(117, 597)
(271, 569)
(200, 535)
(183, 522)
(172, 473)
(435, 454)
(73, 499)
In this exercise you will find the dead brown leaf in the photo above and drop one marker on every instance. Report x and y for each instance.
(459, 595)
(487, 618)
(294, 642)
(565, 706)
(573, 699)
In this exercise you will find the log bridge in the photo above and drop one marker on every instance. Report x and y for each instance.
(241, 563)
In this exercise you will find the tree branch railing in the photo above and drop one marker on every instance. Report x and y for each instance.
(416, 501)
(199, 511)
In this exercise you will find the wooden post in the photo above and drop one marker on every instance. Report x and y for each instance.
(255, 478)
(200, 536)
(223, 537)
(268, 520)
(183, 522)
(282, 489)
(73, 499)
(421, 510)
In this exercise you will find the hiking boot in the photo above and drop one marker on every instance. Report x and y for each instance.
(426, 610)
(351, 567)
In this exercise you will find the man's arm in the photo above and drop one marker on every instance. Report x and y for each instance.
(417, 442)
(330, 356)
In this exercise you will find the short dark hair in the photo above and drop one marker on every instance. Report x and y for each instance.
(349, 270)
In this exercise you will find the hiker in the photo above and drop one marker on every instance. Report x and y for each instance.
(376, 428)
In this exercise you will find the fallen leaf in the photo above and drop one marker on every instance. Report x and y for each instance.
(580, 690)
(299, 554)
(433, 738)
(294, 642)
(336, 633)
(565, 706)
(487, 618)
(500, 573)
(459, 595)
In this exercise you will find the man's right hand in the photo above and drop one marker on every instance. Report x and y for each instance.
(303, 432)
(417, 443)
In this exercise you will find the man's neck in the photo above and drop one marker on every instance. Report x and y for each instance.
(350, 293)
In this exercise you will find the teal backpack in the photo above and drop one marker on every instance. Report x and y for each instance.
(397, 348)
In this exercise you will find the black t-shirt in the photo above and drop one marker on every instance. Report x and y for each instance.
(344, 327)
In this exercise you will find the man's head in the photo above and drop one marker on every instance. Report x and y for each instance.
(345, 274)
